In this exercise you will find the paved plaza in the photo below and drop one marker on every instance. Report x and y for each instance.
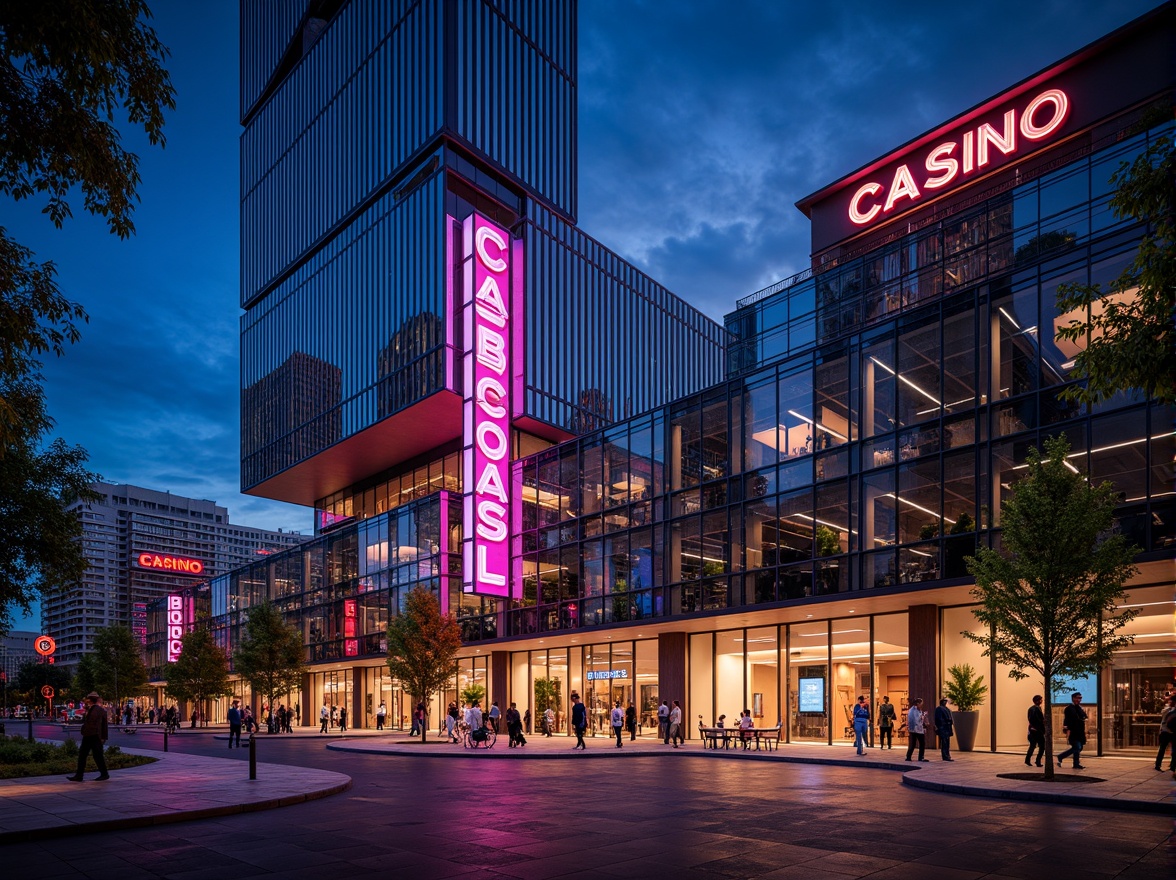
(685, 814)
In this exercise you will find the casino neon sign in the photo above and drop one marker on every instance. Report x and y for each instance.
(488, 381)
(174, 564)
(177, 624)
(952, 160)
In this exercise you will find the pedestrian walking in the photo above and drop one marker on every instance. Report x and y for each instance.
(676, 724)
(234, 717)
(324, 718)
(1168, 736)
(282, 718)
(248, 722)
(343, 720)
(861, 724)
(548, 721)
(944, 728)
(451, 717)
(916, 729)
(514, 726)
(579, 721)
(617, 717)
(495, 714)
(1074, 726)
(195, 717)
(631, 721)
(663, 721)
(886, 724)
(381, 714)
(95, 732)
(1036, 731)
(334, 716)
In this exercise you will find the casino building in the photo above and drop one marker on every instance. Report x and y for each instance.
(772, 515)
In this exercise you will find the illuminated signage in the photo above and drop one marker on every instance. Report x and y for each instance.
(177, 625)
(488, 325)
(139, 621)
(173, 564)
(952, 160)
(44, 645)
(606, 674)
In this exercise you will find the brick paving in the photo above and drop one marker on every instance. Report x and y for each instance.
(689, 814)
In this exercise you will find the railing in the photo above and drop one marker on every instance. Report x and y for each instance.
(784, 284)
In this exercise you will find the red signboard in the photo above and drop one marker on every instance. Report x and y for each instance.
(172, 564)
(44, 645)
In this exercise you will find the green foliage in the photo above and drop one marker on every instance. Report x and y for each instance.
(928, 531)
(422, 646)
(471, 692)
(1128, 331)
(201, 672)
(115, 669)
(41, 550)
(963, 525)
(1049, 601)
(1055, 240)
(965, 688)
(20, 758)
(270, 656)
(547, 693)
(65, 67)
(828, 541)
(33, 675)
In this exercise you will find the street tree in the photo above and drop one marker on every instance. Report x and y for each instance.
(32, 675)
(422, 647)
(1049, 600)
(115, 668)
(42, 549)
(201, 672)
(71, 72)
(1127, 331)
(270, 655)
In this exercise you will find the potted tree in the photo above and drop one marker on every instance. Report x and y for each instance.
(966, 690)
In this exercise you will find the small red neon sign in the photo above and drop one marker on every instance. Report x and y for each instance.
(174, 564)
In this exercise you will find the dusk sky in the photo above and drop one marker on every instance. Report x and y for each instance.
(701, 124)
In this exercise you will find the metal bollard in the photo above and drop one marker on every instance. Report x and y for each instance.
(252, 756)
(165, 739)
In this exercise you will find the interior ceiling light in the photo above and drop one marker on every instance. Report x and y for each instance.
(793, 412)
(901, 378)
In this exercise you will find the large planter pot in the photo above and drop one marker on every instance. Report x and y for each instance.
(966, 725)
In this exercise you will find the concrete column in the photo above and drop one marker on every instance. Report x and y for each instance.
(356, 717)
(499, 681)
(923, 640)
(671, 671)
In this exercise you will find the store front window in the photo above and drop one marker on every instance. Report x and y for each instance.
(808, 681)
(1139, 679)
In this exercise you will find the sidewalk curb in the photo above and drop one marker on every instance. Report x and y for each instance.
(129, 822)
(910, 776)
(1043, 797)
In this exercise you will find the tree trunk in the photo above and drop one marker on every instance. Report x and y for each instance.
(1049, 762)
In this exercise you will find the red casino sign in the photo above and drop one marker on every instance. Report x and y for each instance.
(172, 564)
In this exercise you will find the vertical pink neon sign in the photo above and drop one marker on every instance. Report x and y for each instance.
(489, 381)
(177, 624)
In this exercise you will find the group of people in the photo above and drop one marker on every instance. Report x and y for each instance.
(669, 722)
(332, 716)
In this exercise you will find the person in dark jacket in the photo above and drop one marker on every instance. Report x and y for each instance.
(94, 733)
(579, 721)
(944, 728)
(631, 722)
(886, 724)
(514, 726)
(1074, 726)
(234, 719)
(1168, 736)
(1036, 731)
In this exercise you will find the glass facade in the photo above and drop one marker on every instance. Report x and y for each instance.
(377, 123)
(779, 532)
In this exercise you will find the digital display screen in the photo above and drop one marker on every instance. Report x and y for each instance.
(812, 695)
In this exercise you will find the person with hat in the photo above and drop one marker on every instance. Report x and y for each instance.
(235, 725)
(94, 734)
